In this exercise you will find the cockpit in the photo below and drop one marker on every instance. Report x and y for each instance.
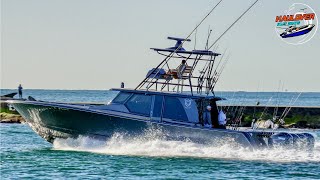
(164, 107)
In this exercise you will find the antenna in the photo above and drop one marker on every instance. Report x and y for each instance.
(195, 39)
(209, 33)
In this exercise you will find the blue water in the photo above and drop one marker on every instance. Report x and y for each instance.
(233, 98)
(25, 155)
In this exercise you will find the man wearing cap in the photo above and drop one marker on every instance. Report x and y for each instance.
(207, 116)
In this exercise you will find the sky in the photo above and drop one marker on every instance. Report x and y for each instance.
(97, 44)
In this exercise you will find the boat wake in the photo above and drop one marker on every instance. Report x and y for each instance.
(155, 146)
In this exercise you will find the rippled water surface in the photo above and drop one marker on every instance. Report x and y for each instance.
(25, 155)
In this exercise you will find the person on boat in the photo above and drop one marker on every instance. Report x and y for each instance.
(122, 84)
(181, 68)
(20, 91)
(207, 116)
(222, 120)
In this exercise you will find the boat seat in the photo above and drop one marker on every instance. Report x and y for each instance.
(185, 74)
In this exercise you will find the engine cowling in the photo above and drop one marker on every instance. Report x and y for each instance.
(299, 141)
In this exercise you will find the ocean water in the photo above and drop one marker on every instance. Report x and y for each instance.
(232, 98)
(24, 155)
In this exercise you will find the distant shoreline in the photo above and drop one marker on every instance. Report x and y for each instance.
(226, 91)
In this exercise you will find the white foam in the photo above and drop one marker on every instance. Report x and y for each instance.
(152, 145)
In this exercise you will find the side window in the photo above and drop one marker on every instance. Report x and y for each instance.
(121, 98)
(140, 104)
(174, 110)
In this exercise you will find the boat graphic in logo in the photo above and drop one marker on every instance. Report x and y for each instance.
(293, 31)
(297, 25)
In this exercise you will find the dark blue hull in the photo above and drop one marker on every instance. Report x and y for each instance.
(51, 121)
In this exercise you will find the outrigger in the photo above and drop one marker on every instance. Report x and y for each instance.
(171, 99)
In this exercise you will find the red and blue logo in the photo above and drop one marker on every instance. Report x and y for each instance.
(297, 25)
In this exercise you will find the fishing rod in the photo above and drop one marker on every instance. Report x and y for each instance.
(211, 78)
(227, 111)
(236, 113)
(265, 109)
(292, 105)
(240, 115)
(215, 76)
(218, 65)
(204, 70)
(232, 24)
(263, 112)
(286, 109)
(221, 107)
(207, 43)
(203, 73)
(234, 108)
(195, 40)
(275, 111)
(220, 72)
(257, 103)
(201, 79)
(232, 97)
(171, 54)
(212, 86)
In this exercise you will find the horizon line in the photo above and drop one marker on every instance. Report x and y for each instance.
(185, 91)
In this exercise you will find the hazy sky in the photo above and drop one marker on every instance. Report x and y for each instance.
(96, 44)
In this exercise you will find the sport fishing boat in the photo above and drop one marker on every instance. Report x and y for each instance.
(171, 99)
(293, 31)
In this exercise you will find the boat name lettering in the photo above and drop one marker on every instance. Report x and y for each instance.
(297, 17)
